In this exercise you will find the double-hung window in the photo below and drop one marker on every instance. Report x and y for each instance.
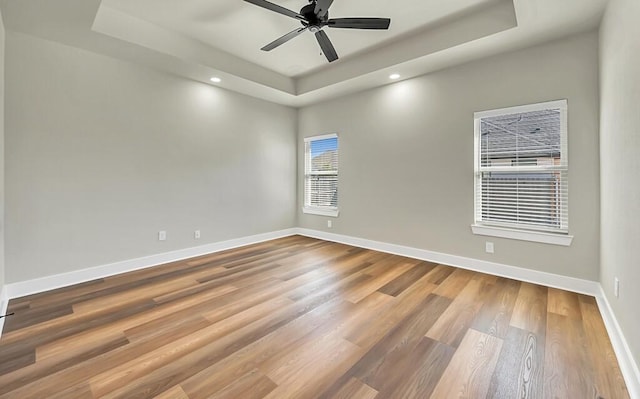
(521, 173)
(321, 175)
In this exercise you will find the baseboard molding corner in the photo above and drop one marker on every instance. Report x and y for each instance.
(4, 304)
(48, 283)
(517, 273)
(629, 368)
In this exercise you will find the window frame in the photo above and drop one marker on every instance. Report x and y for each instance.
(547, 235)
(307, 208)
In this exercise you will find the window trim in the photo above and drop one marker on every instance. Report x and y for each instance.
(513, 232)
(316, 210)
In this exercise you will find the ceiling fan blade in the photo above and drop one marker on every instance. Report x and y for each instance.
(322, 7)
(326, 46)
(359, 23)
(276, 8)
(283, 39)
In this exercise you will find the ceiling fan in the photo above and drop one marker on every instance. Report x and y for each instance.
(315, 16)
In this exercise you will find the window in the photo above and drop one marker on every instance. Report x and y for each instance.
(521, 173)
(321, 175)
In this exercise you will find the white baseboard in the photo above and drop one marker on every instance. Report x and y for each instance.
(4, 304)
(628, 366)
(517, 273)
(29, 287)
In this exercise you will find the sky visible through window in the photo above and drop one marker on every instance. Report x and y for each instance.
(319, 147)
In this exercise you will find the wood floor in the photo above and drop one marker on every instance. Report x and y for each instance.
(303, 318)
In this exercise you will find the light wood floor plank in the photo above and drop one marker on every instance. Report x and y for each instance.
(303, 318)
(469, 372)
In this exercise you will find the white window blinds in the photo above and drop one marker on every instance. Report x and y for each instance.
(521, 167)
(321, 173)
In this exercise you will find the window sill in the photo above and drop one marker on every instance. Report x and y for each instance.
(321, 211)
(533, 236)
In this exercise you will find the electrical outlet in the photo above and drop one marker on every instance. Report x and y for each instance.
(196, 234)
(488, 247)
(329, 224)
(616, 287)
(162, 235)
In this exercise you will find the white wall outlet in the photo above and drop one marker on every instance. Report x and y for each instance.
(162, 235)
(616, 287)
(329, 224)
(488, 247)
(196, 234)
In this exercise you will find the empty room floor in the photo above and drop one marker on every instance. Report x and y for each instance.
(304, 318)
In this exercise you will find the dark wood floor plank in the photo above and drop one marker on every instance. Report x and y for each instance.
(28, 317)
(304, 318)
(520, 366)
(421, 381)
(405, 280)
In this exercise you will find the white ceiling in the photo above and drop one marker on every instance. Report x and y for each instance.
(241, 28)
(199, 39)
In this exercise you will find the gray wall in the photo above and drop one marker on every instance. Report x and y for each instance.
(620, 163)
(103, 154)
(2, 221)
(406, 155)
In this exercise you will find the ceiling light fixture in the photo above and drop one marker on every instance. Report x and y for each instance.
(394, 76)
(216, 80)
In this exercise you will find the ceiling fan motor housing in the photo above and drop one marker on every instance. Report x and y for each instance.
(309, 13)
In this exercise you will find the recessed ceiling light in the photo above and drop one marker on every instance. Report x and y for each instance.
(216, 80)
(394, 76)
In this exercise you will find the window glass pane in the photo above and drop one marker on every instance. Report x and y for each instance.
(520, 138)
(324, 155)
(522, 172)
(321, 177)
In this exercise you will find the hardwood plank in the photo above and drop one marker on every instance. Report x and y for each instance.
(564, 303)
(520, 366)
(366, 335)
(174, 393)
(530, 310)
(468, 375)
(453, 284)
(253, 385)
(305, 318)
(275, 345)
(441, 272)
(374, 283)
(374, 366)
(423, 380)
(452, 325)
(495, 315)
(24, 318)
(17, 361)
(567, 372)
(213, 344)
(405, 280)
(356, 389)
(608, 378)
